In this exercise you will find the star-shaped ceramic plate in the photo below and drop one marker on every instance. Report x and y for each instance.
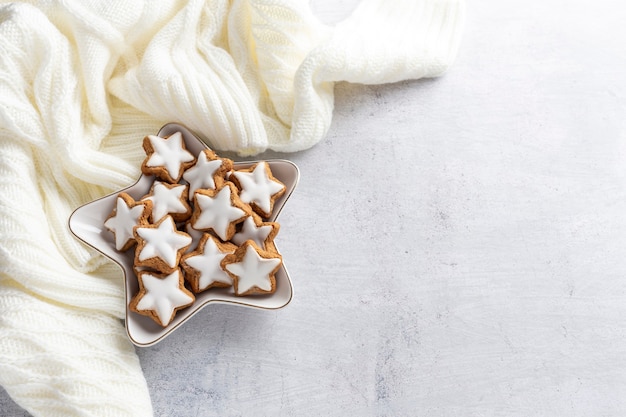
(87, 224)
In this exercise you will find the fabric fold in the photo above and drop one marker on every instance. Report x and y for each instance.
(63, 349)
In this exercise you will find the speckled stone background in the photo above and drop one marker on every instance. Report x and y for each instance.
(456, 245)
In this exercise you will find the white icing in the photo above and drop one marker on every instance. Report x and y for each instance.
(217, 212)
(201, 174)
(250, 231)
(208, 264)
(257, 187)
(169, 153)
(163, 295)
(166, 200)
(163, 242)
(123, 222)
(196, 235)
(253, 271)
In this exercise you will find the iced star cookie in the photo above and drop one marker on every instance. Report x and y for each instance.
(252, 269)
(167, 158)
(218, 211)
(161, 245)
(261, 233)
(208, 172)
(126, 215)
(168, 199)
(160, 296)
(258, 187)
(203, 266)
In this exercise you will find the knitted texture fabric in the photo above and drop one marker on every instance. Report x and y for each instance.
(81, 83)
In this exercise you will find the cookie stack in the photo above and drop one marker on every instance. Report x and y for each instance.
(202, 226)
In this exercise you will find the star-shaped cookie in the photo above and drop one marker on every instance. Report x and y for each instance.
(218, 210)
(208, 172)
(168, 199)
(253, 270)
(261, 233)
(161, 245)
(203, 266)
(127, 214)
(160, 296)
(258, 187)
(167, 157)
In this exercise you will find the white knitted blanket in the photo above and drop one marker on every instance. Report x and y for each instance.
(82, 82)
